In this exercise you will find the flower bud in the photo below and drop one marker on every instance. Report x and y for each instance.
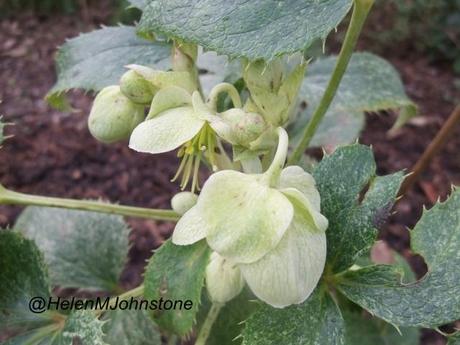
(114, 116)
(184, 201)
(239, 127)
(136, 88)
(223, 279)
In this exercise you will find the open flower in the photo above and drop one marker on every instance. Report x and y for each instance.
(267, 225)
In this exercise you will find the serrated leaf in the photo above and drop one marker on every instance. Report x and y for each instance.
(176, 273)
(23, 275)
(370, 84)
(132, 327)
(340, 178)
(253, 29)
(81, 327)
(429, 302)
(82, 249)
(316, 321)
(371, 331)
(454, 340)
(94, 60)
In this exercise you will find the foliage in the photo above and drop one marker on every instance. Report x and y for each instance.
(431, 27)
(265, 253)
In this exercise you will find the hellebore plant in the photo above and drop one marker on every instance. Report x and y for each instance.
(272, 249)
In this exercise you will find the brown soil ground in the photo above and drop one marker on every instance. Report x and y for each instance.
(53, 153)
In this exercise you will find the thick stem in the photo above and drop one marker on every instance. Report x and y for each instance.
(229, 89)
(433, 148)
(360, 11)
(8, 197)
(207, 325)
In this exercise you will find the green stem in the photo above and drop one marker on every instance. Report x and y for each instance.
(273, 172)
(207, 325)
(136, 292)
(224, 87)
(8, 197)
(360, 11)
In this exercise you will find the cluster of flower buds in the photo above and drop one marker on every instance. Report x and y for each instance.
(265, 229)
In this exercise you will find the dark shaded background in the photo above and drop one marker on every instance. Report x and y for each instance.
(53, 154)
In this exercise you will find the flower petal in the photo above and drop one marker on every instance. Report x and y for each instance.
(246, 219)
(289, 273)
(167, 98)
(223, 279)
(190, 228)
(306, 209)
(295, 177)
(165, 132)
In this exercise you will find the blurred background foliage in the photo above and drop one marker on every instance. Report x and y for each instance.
(430, 27)
(122, 12)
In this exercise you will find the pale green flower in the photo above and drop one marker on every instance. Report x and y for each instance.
(269, 225)
(179, 120)
(273, 89)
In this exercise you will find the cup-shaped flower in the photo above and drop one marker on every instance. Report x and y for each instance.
(273, 89)
(269, 225)
(114, 116)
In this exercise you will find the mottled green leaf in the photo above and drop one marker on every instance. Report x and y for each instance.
(316, 321)
(81, 327)
(370, 84)
(429, 302)
(82, 249)
(253, 29)
(176, 273)
(130, 327)
(340, 178)
(454, 340)
(371, 331)
(94, 60)
(23, 275)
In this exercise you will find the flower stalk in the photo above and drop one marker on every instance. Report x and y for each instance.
(361, 9)
(8, 197)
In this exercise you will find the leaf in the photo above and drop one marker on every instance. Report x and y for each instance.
(454, 340)
(81, 327)
(82, 249)
(140, 4)
(370, 84)
(132, 327)
(228, 326)
(176, 273)
(215, 69)
(23, 275)
(240, 28)
(430, 302)
(316, 321)
(94, 60)
(370, 331)
(340, 178)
